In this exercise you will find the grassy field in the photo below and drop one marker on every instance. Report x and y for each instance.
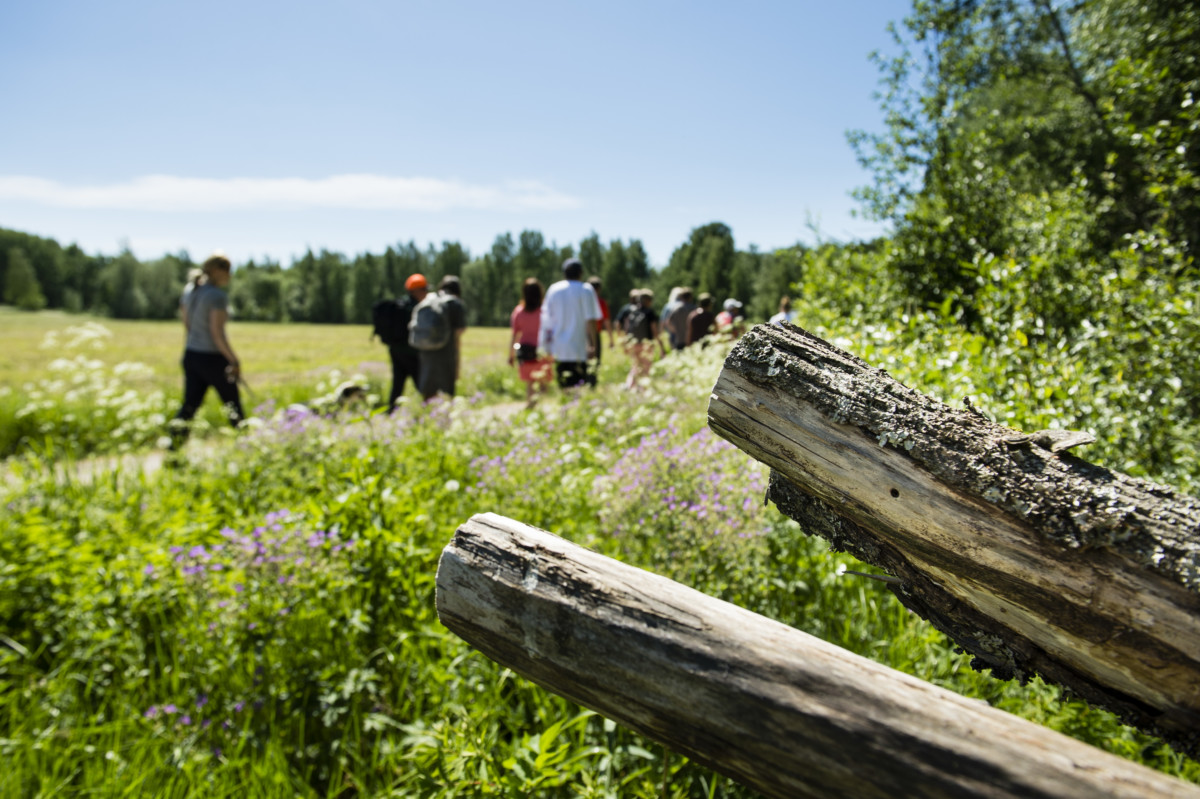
(100, 385)
(259, 620)
(272, 355)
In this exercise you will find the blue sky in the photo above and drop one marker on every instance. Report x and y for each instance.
(263, 128)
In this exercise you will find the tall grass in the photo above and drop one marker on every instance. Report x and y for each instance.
(259, 620)
(80, 385)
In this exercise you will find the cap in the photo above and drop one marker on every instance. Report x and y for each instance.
(732, 304)
(416, 281)
(573, 268)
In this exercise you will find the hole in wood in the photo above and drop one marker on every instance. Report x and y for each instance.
(895, 492)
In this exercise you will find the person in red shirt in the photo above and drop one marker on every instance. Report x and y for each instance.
(525, 323)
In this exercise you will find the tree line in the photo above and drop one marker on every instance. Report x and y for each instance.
(331, 288)
(1039, 168)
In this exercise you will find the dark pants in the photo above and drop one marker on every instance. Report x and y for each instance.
(573, 373)
(201, 370)
(406, 364)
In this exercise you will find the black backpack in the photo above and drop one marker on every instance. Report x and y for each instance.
(638, 324)
(390, 318)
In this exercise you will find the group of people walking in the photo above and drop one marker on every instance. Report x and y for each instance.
(423, 333)
(556, 335)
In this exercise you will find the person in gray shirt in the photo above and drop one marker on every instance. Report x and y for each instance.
(208, 358)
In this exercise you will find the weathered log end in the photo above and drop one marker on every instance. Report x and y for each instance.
(1031, 560)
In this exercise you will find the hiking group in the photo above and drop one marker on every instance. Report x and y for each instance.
(423, 333)
(556, 335)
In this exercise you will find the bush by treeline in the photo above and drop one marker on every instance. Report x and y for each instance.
(329, 287)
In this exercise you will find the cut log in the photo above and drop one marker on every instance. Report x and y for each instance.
(1034, 561)
(774, 708)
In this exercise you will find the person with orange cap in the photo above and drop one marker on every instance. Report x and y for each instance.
(406, 362)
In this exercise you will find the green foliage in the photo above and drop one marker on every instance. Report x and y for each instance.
(258, 293)
(20, 284)
(277, 588)
(263, 613)
(1010, 105)
(330, 288)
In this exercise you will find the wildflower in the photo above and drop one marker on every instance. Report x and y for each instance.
(451, 486)
(151, 712)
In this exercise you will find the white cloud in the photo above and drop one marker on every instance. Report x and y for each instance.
(359, 192)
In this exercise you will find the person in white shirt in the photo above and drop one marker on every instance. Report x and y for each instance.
(570, 325)
(786, 315)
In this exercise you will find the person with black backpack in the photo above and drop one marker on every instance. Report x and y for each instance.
(436, 331)
(391, 318)
(643, 333)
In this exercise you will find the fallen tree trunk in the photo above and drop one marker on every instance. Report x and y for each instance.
(774, 708)
(1034, 561)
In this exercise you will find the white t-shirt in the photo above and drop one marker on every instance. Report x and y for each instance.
(566, 309)
(782, 316)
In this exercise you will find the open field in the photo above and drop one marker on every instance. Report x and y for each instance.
(102, 385)
(271, 354)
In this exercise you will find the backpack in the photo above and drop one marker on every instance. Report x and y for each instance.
(390, 318)
(429, 328)
(638, 324)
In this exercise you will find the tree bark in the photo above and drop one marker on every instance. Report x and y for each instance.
(1035, 562)
(774, 708)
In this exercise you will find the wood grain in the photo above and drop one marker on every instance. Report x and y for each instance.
(1033, 561)
(774, 708)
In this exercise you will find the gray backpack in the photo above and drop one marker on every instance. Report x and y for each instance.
(429, 328)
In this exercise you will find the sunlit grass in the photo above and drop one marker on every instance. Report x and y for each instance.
(259, 619)
(271, 354)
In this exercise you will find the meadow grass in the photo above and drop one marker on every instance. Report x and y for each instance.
(79, 384)
(271, 354)
(259, 620)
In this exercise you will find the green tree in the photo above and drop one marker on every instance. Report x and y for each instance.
(617, 278)
(450, 260)
(122, 292)
(366, 286)
(504, 278)
(531, 257)
(20, 283)
(639, 262)
(591, 255)
(996, 108)
(257, 293)
(299, 284)
(705, 262)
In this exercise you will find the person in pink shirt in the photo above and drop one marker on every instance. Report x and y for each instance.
(525, 322)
